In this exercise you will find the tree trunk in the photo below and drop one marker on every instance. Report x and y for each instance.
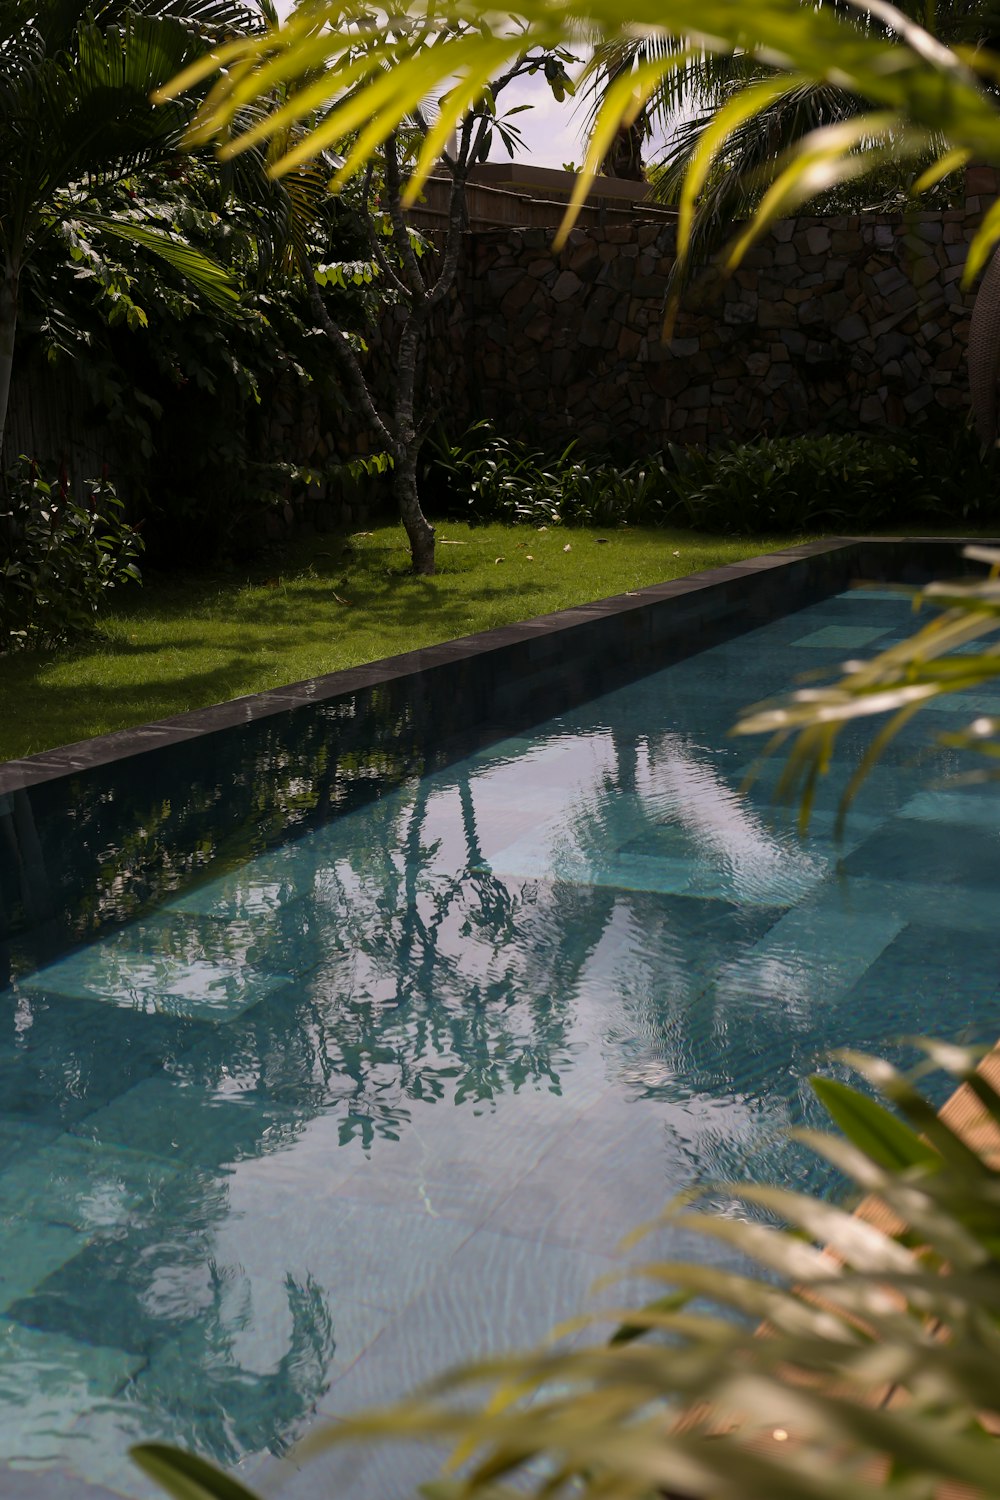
(8, 330)
(418, 529)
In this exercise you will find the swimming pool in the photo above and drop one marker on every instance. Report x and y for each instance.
(376, 1076)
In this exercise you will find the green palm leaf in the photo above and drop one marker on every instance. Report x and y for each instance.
(202, 273)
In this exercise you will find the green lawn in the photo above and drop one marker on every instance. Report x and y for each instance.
(183, 642)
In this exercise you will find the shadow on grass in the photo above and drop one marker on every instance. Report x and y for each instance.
(61, 713)
(403, 602)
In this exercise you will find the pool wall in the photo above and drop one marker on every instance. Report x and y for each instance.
(94, 833)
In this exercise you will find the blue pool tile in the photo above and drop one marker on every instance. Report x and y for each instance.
(389, 1470)
(615, 1159)
(45, 1382)
(964, 909)
(847, 637)
(146, 982)
(72, 1183)
(31, 1480)
(31, 1250)
(960, 809)
(915, 851)
(189, 1122)
(72, 1056)
(965, 706)
(812, 955)
(930, 982)
(22, 1138)
(494, 1294)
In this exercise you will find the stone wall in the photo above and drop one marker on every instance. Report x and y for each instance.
(856, 322)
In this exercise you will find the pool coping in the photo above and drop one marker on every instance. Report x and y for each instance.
(103, 750)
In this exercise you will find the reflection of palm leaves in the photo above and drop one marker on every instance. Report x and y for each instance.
(232, 1410)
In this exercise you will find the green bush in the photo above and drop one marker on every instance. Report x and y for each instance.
(836, 481)
(58, 558)
(486, 478)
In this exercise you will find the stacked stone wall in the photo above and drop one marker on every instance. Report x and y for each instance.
(857, 322)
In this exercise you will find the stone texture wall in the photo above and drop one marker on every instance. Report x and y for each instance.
(293, 427)
(858, 322)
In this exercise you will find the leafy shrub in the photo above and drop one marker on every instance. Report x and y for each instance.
(485, 477)
(779, 484)
(58, 558)
(836, 481)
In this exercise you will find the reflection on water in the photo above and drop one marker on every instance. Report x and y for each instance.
(384, 1094)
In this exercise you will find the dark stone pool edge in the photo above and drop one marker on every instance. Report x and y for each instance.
(615, 640)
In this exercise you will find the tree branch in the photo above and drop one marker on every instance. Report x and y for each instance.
(346, 358)
(417, 286)
(376, 250)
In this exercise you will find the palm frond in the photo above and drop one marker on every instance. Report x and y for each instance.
(373, 77)
(203, 273)
(934, 662)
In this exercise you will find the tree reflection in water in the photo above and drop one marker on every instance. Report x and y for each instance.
(366, 944)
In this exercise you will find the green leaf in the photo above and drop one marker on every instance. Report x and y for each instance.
(871, 1127)
(200, 270)
(185, 1476)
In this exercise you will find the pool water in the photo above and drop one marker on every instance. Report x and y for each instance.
(387, 1096)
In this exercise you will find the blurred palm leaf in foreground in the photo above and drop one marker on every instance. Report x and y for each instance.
(355, 73)
(896, 683)
(878, 1369)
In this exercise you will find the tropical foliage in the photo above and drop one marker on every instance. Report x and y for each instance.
(75, 112)
(925, 100)
(387, 394)
(183, 390)
(683, 106)
(834, 481)
(58, 557)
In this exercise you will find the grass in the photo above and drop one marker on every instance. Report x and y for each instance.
(183, 642)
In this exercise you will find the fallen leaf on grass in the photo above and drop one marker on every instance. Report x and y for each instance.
(528, 557)
(677, 554)
(543, 528)
(362, 533)
(446, 541)
(341, 601)
(497, 560)
(568, 547)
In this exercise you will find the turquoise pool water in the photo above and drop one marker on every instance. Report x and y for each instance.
(388, 1095)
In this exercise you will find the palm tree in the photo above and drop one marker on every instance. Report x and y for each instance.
(925, 99)
(913, 94)
(74, 111)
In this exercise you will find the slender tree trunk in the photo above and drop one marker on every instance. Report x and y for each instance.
(8, 330)
(418, 529)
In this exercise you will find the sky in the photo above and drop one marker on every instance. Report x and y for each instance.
(551, 131)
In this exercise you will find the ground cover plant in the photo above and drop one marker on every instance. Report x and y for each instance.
(834, 481)
(185, 641)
